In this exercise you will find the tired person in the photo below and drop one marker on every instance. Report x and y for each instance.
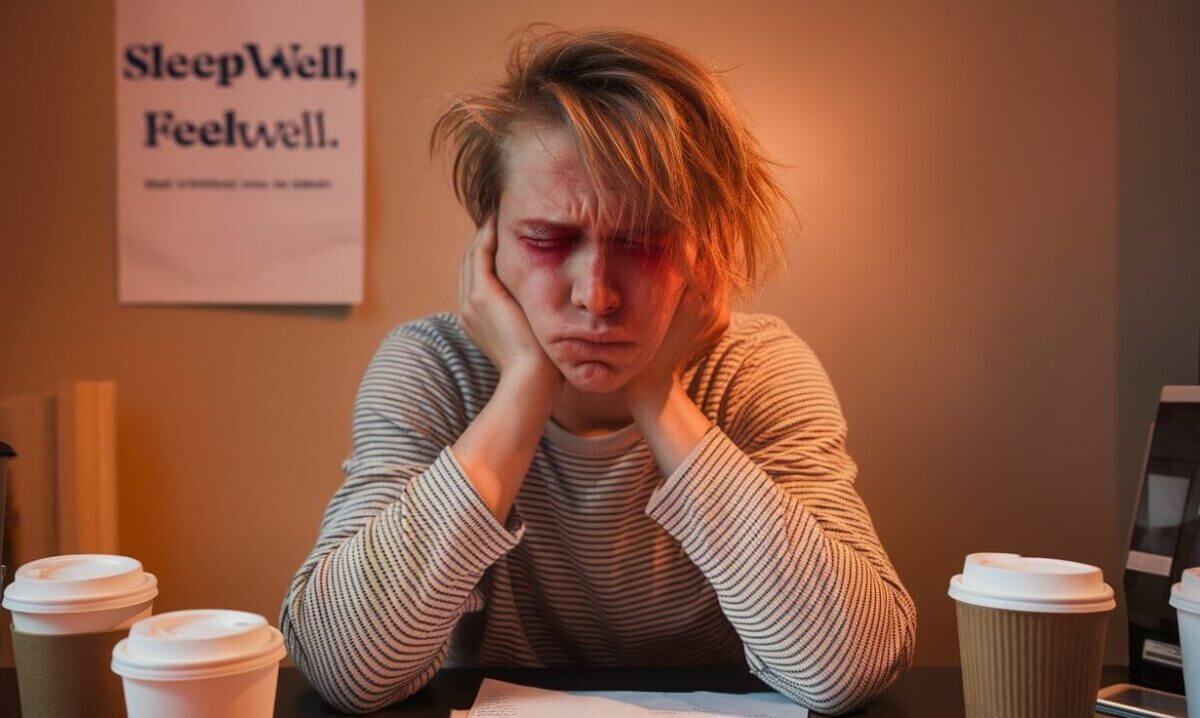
(595, 461)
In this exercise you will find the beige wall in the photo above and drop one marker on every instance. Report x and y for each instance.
(958, 166)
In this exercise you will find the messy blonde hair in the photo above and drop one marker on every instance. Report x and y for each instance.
(658, 135)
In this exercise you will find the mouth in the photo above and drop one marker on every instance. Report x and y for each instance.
(598, 338)
(585, 348)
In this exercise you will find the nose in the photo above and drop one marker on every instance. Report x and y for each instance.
(593, 289)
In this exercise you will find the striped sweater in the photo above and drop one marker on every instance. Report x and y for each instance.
(756, 552)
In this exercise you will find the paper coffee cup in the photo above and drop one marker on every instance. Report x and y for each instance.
(1031, 635)
(1185, 598)
(79, 593)
(68, 613)
(200, 663)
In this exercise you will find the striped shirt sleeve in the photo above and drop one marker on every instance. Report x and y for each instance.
(403, 544)
(766, 508)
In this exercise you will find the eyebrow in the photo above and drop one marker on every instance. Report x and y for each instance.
(546, 226)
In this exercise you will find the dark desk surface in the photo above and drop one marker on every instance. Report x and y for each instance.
(922, 691)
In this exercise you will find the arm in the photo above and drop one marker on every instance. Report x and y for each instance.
(403, 544)
(497, 448)
(769, 513)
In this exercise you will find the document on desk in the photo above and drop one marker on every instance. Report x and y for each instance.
(500, 699)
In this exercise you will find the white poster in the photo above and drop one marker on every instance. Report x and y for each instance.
(240, 151)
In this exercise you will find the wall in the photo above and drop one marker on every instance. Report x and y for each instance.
(1158, 222)
(961, 273)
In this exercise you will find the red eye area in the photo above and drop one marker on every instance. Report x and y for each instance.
(551, 245)
(545, 244)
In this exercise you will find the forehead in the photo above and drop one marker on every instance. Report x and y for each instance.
(544, 171)
(545, 178)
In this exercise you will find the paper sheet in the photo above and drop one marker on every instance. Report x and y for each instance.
(500, 699)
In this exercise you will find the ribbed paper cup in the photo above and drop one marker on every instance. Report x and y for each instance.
(67, 614)
(60, 674)
(1017, 663)
(1031, 636)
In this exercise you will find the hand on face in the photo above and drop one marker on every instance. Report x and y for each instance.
(700, 319)
(490, 315)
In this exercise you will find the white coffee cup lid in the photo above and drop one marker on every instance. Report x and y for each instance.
(76, 583)
(197, 643)
(1022, 583)
(1185, 595)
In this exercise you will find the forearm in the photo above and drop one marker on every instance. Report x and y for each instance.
(819, 607)
(496, 449)
(671, 424)
(369, 615)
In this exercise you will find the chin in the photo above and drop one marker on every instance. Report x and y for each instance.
(593, 377)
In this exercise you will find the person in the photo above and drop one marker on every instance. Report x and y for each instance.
(595, 461)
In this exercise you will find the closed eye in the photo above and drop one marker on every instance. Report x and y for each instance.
(539, 243)
(552, 244)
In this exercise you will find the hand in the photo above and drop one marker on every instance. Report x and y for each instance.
(492, 318)
(701, 318)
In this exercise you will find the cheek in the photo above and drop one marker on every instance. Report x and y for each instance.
(656, 285)
(517, 268)
(533, 284)
(543, 271)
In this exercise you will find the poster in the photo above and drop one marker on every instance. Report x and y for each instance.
(239, 151)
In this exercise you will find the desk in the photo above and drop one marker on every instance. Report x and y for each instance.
(922, 691)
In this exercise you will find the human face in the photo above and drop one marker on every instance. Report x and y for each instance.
(573, 275)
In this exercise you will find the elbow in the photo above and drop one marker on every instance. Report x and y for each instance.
(336, 701)
(331, 685)
(344, 694)
(871, 669)
(866, 684)
(333, 697)
(335, 675)
(853, 690)
(870, 677)
(297, 650)
(337, 687)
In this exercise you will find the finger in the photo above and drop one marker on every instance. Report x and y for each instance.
(482, 267)
(486, 237)
(467, 271)
(460, 288)
(489, 245)
(462, 276)
(481, 233)
(483, 249)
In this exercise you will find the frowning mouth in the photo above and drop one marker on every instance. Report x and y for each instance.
(608, 338)
(582, 347)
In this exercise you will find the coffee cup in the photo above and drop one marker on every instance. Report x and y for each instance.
(1185, 598)
(1031, 635)
(67, 614)
(200, 663)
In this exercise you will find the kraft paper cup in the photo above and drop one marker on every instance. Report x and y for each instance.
(200, 663)
(1031, 635)
(68, 613)
(1185, 597)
